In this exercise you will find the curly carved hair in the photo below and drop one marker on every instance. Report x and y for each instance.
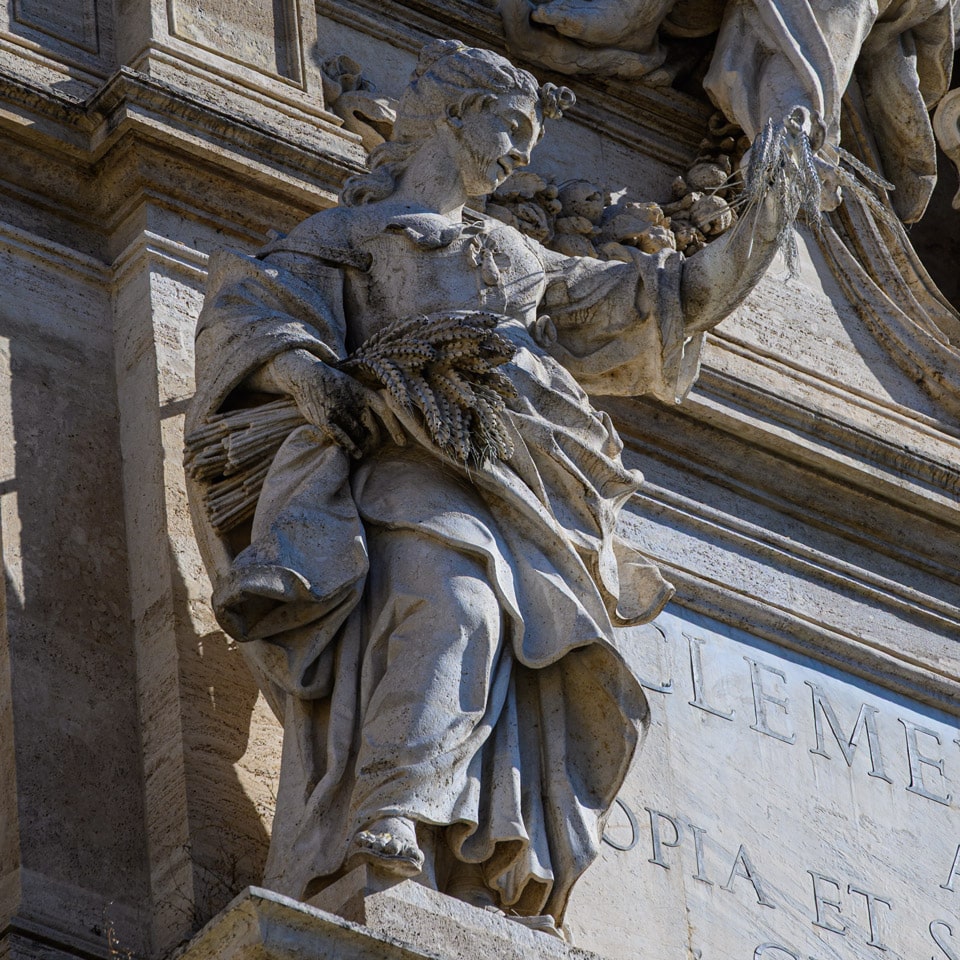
(449, 77)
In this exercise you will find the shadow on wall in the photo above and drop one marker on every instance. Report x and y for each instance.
(231, 743)
(76, 744)
(73, 675)
(936, 237)
(232, 758)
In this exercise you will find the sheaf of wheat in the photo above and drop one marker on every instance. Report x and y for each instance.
(442, 366)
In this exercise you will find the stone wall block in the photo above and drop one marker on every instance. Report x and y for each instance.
(75, 833)
(208, 790)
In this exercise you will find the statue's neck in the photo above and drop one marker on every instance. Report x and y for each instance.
(432, 183)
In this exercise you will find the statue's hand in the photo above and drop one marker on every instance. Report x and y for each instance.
(801, 121)
(344, 409)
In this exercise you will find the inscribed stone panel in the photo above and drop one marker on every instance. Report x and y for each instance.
(778, 809)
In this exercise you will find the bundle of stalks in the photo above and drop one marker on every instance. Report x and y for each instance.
(443, 366)
(783, 162)
(232, 452)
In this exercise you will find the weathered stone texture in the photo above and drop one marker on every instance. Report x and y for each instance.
(803, 500)
(74, 713)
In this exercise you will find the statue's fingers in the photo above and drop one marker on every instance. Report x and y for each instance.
(589, 21)
(343, 439)
(317, 410)
(386, 416)
(372, 427)
(798, 121)
(311, 410)
(353, 420)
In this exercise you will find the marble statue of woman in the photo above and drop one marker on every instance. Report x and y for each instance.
(437, 636)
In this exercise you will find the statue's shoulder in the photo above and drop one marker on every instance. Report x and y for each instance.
(330, 235)
(335, 224)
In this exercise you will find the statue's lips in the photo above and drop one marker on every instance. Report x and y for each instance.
(506, 167)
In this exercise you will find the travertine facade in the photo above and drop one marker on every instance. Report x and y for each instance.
(801, 776)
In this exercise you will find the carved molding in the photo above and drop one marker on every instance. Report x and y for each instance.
(800, 440)
(927, 476)
(49, 254)
(725, 541)
(848, 653)
(908, 668)
(788, 557)
(73, 157)
(187, 261)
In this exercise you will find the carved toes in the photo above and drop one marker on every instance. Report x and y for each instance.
(389, 845)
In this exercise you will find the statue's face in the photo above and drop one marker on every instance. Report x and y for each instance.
(497, 138)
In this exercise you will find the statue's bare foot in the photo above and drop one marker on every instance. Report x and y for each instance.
(389, 844)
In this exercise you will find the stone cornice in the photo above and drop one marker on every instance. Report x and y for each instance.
(727, 444)
(857, 437)
(803, 595)
(299, 158)
(722, 509)
(891, 668)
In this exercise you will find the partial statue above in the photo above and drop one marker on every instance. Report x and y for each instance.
(771, 55)
(407, 503)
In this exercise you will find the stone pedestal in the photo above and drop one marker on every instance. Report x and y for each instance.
(400, 922)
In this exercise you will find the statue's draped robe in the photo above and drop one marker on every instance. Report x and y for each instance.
(553, 716)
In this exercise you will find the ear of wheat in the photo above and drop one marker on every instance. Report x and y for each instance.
(443, 366)
(783, 162)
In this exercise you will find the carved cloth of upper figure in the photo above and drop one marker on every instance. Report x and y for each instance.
(772, 55)
(437, 636)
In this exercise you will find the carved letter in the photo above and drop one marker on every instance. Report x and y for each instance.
(945, 947)
(658, 844)
(821, 901)
(954, 872)
(696, 673)
(871, 899)
(742, 867)
(918, 761)
(698, 833)
(866, 720)
(634, 830)
(761, 698)
(667, 685)
(764, 947)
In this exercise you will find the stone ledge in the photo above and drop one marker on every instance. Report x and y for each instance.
(294, 155)
(437, 922)
(262, 925)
